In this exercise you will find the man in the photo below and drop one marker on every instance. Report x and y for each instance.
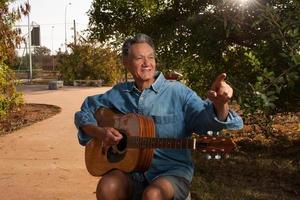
(177, 112)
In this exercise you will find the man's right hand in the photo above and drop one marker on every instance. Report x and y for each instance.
(108, 135)
(111, 136)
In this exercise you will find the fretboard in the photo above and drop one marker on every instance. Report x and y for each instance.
(166, 143)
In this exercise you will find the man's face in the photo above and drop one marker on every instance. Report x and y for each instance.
(141, 63)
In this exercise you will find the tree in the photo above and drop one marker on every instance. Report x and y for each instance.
(9, 98)
(41, 51)
(89, 62)
(256, 44)
(10, 37)
(41, 56)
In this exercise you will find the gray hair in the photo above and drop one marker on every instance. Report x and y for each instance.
(138, 38)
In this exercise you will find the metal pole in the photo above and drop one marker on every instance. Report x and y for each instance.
(52, 54)
(29, 47)
(74, 24)
(66, 26)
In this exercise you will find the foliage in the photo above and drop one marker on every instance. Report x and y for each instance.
(274, 59)
(88, 62)
(9, 36)
(41, 55)
(10, 99)
(41, 51)
(257, 43)
(261, 167)
(41, 59)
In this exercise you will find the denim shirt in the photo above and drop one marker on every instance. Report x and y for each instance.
(177, 112)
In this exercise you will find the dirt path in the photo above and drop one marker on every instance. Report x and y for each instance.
(45, 161)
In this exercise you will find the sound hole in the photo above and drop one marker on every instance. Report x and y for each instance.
(118, 152)
(123, 143)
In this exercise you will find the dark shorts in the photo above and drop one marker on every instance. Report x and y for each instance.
(181, 186)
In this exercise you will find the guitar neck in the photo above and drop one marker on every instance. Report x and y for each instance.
(166, 143)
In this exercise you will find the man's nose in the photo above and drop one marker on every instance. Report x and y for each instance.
(146, 62)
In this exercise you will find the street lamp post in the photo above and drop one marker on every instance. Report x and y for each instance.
(66, 25)
(29, 46)
(52, 52)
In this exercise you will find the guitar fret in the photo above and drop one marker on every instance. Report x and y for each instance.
(144, 143)
(148, 143)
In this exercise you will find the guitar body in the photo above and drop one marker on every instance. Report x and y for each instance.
(99, 160)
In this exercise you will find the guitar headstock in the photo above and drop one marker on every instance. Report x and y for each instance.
(214, 144)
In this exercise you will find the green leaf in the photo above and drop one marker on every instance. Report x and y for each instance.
(296, 59)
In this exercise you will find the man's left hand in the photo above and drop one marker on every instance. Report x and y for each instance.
(220, 94)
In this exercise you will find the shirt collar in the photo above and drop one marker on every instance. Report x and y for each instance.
(159, 81)
(156, 86)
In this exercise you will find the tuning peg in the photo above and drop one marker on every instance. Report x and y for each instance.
(210, 133)
(208, 157)
(217, 156)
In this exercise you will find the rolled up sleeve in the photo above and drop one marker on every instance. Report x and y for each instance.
(202, 117)
(81, 119)
(86, 116)
(233, 121)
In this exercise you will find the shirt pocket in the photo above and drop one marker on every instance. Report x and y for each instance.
(164, 119)
(168, 126)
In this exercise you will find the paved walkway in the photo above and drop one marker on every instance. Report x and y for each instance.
(44, 160)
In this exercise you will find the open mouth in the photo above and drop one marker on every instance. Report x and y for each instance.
(146, 69)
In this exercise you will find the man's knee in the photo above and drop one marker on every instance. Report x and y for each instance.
(112, 186)
(107, 185)
(153, 192)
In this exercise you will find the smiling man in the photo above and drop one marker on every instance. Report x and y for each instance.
(140, 62)
(177, 112)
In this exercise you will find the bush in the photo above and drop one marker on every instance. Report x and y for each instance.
(10, 99)
(87, 62)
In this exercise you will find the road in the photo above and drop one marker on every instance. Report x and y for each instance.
(45, 160)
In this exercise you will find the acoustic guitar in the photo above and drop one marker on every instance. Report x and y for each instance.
(135, 151)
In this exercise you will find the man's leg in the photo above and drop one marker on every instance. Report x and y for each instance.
(167, 188)
(114, 185)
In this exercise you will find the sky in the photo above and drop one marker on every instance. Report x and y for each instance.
(50, 15)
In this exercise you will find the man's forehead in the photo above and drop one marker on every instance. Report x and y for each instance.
(141, 49)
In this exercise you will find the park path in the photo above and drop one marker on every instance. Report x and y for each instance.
(45, 161)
